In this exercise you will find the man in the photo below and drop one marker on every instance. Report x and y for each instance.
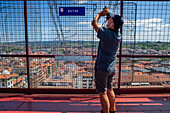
(105, 64)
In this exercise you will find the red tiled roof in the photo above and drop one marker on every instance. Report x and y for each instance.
(17, 80)
(7, 76)
(4, 76)
(88, 74)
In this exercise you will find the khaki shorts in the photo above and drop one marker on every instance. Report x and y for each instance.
(103, 81)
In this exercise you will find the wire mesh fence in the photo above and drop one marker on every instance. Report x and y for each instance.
(146, 28)
(13, 72)
(145, 72)
(12, 28)
(72, 43)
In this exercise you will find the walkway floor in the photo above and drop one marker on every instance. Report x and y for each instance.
(57, 103)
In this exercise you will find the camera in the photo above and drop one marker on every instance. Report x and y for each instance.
(108, 15)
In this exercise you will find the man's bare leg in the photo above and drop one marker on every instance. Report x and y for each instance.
(104, 102)
(111, 96)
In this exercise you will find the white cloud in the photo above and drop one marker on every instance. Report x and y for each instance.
(150, 20)
(85, 22)
(147, 29)
(157, 26)
(143, 22)
(151, 24)
(153, 29)
(167, 25)
(83, 1)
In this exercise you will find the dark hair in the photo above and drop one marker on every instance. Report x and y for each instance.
(118, 21)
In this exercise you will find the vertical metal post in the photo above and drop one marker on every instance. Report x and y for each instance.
(27, 47)
(120, 50)
(93, 58)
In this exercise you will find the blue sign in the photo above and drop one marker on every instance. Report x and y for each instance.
(71, 11)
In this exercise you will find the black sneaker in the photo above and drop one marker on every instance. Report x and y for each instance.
(112, 111)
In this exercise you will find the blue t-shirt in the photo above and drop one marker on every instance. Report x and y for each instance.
(107, 49)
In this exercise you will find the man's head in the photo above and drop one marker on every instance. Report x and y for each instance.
(115, 22)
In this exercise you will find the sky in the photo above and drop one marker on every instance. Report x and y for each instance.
(152, 21)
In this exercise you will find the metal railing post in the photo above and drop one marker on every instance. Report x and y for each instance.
(27, 47)
(120, 51)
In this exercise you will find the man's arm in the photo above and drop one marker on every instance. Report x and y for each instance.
(94, 23)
